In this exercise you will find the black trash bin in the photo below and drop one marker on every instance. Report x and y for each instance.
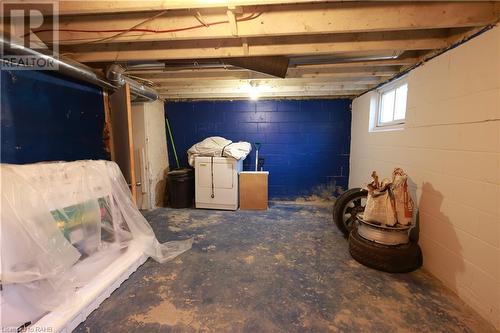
(181, 188)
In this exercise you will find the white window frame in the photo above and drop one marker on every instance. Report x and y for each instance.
(381, 91)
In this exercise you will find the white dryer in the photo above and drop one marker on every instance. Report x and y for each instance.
(216, 180)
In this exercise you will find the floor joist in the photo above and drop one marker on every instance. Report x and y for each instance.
(288, 45)
(283, 20)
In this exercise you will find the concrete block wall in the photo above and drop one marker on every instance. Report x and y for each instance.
(48, 117)
(305, 143)
(450, 147)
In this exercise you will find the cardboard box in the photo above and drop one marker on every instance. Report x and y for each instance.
(253, 190)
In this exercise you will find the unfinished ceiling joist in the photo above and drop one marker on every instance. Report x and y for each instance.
(228, 71)
(276, 84)
(196, 82)
(244, 95)
(264, 87)
(285, 20)
(265, 46)
(233, 24)
(276, 89)
(124, 6)
(330, 73)
(198, 48)
(373, 63)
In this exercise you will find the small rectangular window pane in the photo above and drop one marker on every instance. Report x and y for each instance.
(387, 107)
(400, 110)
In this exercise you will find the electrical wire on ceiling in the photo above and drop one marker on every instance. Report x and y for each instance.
(120, 32)
(130, 29)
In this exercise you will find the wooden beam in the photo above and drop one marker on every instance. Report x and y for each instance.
(216, 88)
(232, 21)
(167, 71)
(108, 128)
(193, 83)
(196, 74)
(372, 63)
(329, 74)
(353, 70)
(121, 122)
(122, 6)
(314, 81)
(287, 90)
(292, 19)
(265, 46)
(244, 45)
(267, 87)
(244, 95)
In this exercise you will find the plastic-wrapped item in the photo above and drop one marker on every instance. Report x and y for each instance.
(62, 221)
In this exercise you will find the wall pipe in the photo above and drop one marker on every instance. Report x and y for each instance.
(115, 74)
(81, 72)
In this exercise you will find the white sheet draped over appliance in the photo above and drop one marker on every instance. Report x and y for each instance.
(220, 147)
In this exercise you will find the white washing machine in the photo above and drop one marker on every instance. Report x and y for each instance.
(216, 180)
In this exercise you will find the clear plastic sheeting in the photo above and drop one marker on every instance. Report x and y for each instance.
(219, 147)
(63, 222)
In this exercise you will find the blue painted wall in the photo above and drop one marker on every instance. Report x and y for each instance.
(305, 143)
(46, 117)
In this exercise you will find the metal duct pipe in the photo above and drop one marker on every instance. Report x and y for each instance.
(114, 73)
(81, 72)
(69, 68)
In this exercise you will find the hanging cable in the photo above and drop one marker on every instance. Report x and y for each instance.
(130, 29)
(136, 29)
(212, 168)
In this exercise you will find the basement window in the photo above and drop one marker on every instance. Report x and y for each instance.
(392, 104)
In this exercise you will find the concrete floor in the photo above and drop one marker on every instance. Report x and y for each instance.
(283, 270)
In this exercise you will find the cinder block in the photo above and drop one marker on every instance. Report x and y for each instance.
(268, 127)
(441, 262)
(482, 289)
(288, 138)
(311, 105)
(285, 117)
(289, 127)
(287, 105)
(480, 195)
(478, 252)
(466, 164)
(450, 147)
(237, 106)
(247, 127)
(273, 148)
(488, 228)
(263, 105)
(479, 137)
(230, 116)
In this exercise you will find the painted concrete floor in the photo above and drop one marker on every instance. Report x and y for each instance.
(283, 270)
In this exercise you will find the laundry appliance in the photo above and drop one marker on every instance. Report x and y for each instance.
(216, 182)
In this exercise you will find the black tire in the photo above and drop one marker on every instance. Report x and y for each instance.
(393, 259)
(354, 195)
